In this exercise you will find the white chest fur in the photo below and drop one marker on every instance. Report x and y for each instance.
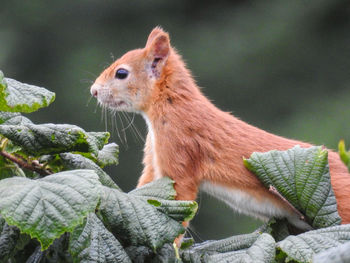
(156, 169)
(249, 205)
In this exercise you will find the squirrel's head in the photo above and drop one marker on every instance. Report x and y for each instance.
(127, 84)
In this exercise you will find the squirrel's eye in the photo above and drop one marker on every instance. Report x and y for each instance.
(121, 73)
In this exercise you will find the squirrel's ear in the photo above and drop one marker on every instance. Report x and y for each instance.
(158, 51)
(158, 43)
(160, 46)
(153, 34)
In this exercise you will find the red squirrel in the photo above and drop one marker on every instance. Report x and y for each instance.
(195, 143)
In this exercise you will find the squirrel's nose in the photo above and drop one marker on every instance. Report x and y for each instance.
(94, 90)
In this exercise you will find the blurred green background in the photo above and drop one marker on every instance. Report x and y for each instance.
(283, 66)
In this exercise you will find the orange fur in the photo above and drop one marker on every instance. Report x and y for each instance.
(190, 140)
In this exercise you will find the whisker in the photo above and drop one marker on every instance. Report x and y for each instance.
(102, 111)
(130, 122)
(123, 130)
(113, 123)
(114, 113)
(92, 74)
(88, 102)
(194, 233)
(114, 128)
(126, 116)
(110, 115)
(112, 56)
(138, 133)
(86, 81)
(96, 106)
(106, 120)
(105, 65)
(135, 130)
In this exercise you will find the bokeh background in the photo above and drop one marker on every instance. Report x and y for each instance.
(283, 66)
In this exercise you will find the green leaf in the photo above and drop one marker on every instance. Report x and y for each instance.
(11, 240)
(199, 251)
(73, 161)
(277, 228)
(177, 210)
(140, 253)
(4, 116)
(20, 97)
(262, 251)
(56, 253)
(9, 169)
(187, 243)
(165, 254)
(161, 194)
(97, 140)
(18, 120)
(92, 242)
(2, 81)
(12, 148)
(344, 155)
(162, 189)
(339, 254)
(48, 207)
(13, 118)
(302, 176)
(108, 155)
(135, 222)
(303, 247)
(52, 138)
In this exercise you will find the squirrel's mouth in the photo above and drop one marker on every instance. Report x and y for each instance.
(106, 98)
(120, 103)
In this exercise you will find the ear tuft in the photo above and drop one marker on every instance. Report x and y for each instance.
(157, 30)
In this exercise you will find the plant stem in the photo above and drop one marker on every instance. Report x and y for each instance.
(24, 164)
(274, 191)
(177, 255)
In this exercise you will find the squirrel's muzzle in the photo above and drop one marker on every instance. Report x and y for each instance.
(94, 90)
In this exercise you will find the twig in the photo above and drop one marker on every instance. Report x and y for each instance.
(274, 191)
(33, 167)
